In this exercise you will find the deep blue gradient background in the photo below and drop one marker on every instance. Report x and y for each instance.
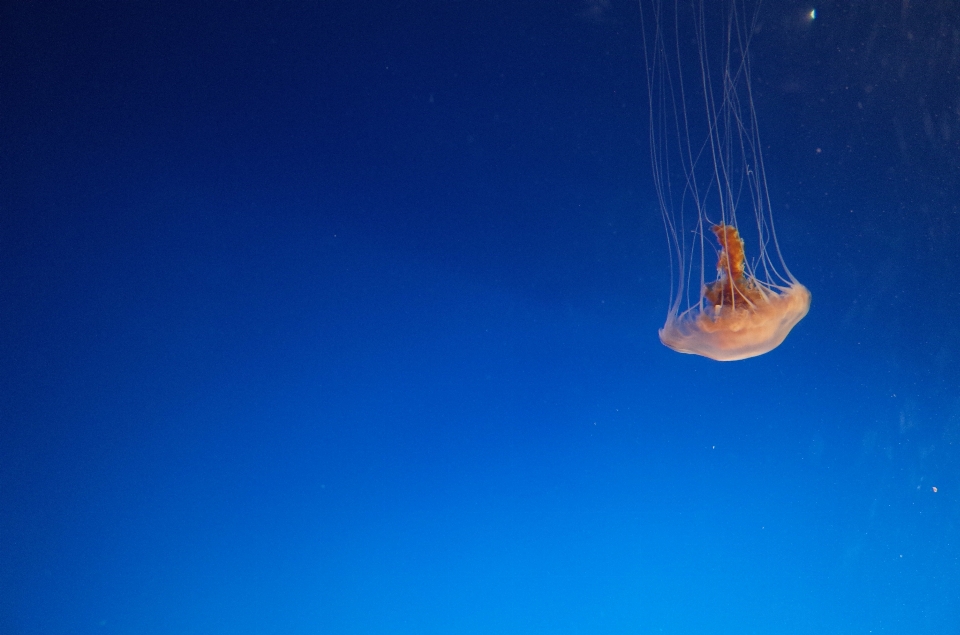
(342, 318)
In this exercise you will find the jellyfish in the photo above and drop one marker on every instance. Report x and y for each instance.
(711, 184)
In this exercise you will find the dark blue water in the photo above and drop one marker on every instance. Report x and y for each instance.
(342, 318)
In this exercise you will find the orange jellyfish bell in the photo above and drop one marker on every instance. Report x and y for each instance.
(739, 316)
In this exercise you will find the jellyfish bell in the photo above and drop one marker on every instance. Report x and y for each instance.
(741, 317)
(708, 168)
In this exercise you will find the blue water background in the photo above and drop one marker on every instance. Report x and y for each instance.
(342, 318)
